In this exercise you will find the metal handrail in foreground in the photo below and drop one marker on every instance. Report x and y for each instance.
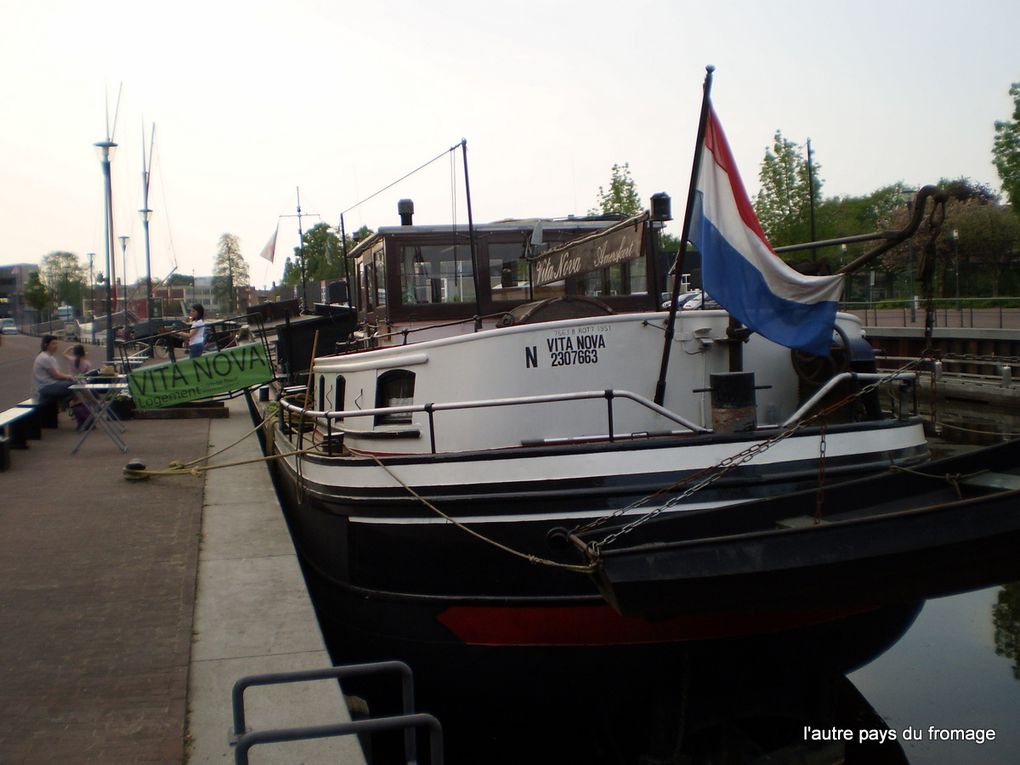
(244, 740)
(374, 725)
(430, 409)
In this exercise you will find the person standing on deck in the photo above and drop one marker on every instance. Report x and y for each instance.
(196, 335)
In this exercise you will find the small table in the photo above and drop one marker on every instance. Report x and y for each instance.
(97, 398)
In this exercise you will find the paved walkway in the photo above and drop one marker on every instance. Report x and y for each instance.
(97, 593)
(128, 609)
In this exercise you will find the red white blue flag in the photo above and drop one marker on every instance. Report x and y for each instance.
(740, 269)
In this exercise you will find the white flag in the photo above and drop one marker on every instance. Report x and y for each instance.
(269, 251)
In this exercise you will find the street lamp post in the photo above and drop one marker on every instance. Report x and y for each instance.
(955, 236)
(106, 149)
(123, 259)
(92, 296)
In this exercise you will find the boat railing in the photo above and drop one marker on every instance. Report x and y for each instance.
(835, 381)
(332, 417)
(405, 332)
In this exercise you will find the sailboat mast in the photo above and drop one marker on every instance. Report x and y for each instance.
(476, 277)
(146, 213)
(301, 250)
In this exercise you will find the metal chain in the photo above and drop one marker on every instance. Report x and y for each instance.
(820, 496)
(729, 463)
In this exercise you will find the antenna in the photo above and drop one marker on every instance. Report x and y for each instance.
(116, 111)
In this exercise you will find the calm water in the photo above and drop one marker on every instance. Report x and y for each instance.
(952, 664)
(958, 666)
(948, 671)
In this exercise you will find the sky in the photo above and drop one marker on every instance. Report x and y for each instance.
(256, 102)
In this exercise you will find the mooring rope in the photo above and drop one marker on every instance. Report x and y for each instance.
(580, 569)
(196, 468)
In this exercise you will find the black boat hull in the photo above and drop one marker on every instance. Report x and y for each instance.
(875, 541)
(396, 577)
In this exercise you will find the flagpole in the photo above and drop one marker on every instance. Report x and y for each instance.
(678, 264)
(347, 266)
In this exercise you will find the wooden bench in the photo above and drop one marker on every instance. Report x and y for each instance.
(16, 426)
(47, 416)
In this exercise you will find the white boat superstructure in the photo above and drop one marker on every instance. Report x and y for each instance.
(544, 383)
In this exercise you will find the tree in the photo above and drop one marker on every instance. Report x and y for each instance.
(1006, 618)
(622, 197)
(982, 256)
(64, 277)
(783, 203)
(1006, 151)
(323, 255)
(229, 272)
(35, 293)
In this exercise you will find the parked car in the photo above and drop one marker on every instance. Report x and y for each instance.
(666, 298)
(8, 327)
(699, 300)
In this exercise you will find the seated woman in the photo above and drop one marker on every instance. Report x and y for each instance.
(48, 382)
(80, 365)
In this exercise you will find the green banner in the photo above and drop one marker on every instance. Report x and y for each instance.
(191, 379)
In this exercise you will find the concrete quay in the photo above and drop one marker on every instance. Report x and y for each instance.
(129, 609)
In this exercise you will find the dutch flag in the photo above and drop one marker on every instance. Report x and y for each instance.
(739, 268)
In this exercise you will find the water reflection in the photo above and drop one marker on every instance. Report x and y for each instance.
(775, 698)
(961, 425)
(948, 673)
(1006, 618)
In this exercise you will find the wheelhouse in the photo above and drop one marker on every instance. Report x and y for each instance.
(415, 274)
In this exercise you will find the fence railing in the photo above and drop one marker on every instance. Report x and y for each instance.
(968, 313)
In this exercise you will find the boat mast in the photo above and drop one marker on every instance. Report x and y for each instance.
(678, 264)
(476, 277)
(146, 213)
(301, 246)
(347, 265)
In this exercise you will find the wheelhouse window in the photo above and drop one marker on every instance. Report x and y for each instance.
(508, 272)
(380, 278)
(620, 279)
(394, 388)
(436, 273)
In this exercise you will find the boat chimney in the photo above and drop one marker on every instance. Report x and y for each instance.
(406, 209)
(734, 407)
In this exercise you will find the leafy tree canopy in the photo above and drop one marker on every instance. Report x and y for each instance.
(35, 292)
(975, 248)
(784, 200)
(323, 255)
(65, 278)
(621, 198)
(1006, 151)
(230, 271)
